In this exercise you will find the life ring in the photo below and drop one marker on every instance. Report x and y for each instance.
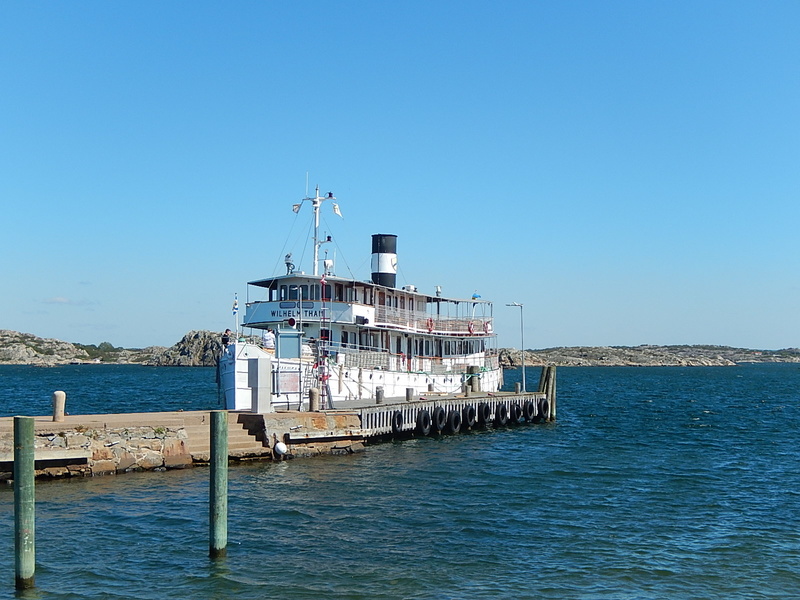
(397, 422)
(454, 422)
(529, 411)
(423, 422)
(515, 414)
(469, 416)
(484, 414)
(486, 327)
(471, 327)
(501, 414)
(439, 419)
(430, 324)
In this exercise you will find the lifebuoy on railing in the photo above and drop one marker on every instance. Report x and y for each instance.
(430, 324)
(471, 327)
(486, 327)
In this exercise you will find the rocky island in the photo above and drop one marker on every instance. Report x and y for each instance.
(200, 348)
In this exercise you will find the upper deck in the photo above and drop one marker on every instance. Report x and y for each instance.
(347, 301)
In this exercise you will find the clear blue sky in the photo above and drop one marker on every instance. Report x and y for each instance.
(630, 171)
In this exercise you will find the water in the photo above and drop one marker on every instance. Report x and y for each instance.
(654, 483)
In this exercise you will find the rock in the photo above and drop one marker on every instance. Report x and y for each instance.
(201, 349)
(645, 355)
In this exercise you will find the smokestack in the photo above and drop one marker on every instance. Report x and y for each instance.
(384, 259)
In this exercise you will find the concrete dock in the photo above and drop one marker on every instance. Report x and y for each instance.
(86, 445)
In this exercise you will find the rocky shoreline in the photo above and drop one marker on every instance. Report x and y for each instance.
(200, 349)
(647, 356)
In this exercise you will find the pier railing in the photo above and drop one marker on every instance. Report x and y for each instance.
(381, 420)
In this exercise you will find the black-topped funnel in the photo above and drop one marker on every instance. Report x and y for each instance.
(384, 259)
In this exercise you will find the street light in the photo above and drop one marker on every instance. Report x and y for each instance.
(522, 340)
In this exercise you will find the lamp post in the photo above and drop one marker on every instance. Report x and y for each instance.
(522, 340)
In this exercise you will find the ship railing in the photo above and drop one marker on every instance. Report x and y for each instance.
(412, 320)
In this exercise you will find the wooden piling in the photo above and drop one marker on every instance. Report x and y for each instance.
(24, 503)
(218, 488)
(547, 386)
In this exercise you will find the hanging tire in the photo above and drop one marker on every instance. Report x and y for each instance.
(484, 414)
(515, 414)
(454, 422)
(529, 411)
(423, 423)
(397, 422)
(469, 416)
(501, 415)
(439, 419)
(543, 410)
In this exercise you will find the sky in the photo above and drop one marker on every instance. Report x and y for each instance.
(628, 171)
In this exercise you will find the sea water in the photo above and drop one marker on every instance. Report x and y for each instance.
(659, 482)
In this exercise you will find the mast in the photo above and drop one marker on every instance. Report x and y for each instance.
(316, 202)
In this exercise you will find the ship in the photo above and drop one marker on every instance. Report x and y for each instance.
(351, 341)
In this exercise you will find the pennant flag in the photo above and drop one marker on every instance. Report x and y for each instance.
(336, 210)
(296, 208)
(235, 304)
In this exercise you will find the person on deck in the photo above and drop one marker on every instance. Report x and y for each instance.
(269, 339)
(226, 338)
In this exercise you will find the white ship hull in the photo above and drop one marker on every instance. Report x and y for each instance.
(253, 379)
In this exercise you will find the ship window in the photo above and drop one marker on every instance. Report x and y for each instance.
(304, 292)
(326, 292)
(402, 301)
(339, 288)
(427, 348)
(399, 345)
(284, 292)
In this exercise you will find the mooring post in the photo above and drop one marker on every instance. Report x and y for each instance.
(552, 394)
(24, 503)
(218, 488)
(409, 394)
(474, 377)
(313, 399)
(379, 394)
(59, 402)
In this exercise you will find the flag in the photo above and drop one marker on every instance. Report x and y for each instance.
(235, 304)
(296, 208)
(336, 210)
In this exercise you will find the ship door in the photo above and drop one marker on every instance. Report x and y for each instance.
(409, 353)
